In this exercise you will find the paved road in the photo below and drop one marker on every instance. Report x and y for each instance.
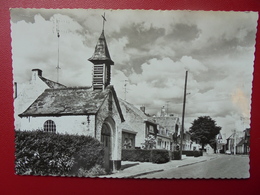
(225, 166)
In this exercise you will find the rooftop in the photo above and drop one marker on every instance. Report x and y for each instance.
(101, 53)
(67, 101)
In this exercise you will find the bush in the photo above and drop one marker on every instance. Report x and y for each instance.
(197, 153)
(194, 153)
(136, 155)
(176, 155)
(160, 156)
(188, 152)
(43, 153)
(155, 156)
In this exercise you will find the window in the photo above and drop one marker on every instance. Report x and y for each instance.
(49, 126)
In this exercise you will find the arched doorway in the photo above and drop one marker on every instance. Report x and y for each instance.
(106, 140)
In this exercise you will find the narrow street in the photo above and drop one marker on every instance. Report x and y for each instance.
(225, 166)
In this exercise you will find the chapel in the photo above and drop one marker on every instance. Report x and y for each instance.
(93, 111)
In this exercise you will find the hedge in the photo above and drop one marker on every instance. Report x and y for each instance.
(154, 156)
(194, 153)
(44, 153)
(175, 155)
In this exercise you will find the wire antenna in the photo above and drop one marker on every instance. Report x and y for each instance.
(125, 89)
(58, 63)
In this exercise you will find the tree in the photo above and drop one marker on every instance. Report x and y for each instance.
(204, 130)
(149, 143)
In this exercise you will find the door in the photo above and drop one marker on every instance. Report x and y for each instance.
(106, 140)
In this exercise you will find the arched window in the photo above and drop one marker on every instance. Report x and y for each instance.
(49, 126)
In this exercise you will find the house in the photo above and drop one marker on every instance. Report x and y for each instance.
(137, 126)
(171, 124)
(164, 138)
(25, 94)
(186, 141)
(232, 141)
(247, 141)
(209, 149)
(243, 146)
(220, 143)
(93, 111)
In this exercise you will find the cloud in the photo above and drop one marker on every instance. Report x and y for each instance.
(151, 50)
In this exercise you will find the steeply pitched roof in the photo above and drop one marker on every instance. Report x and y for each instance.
(52, 84)
(101, 53)
(70, 101)
(242, 141)
(168, 122)
(131, 108)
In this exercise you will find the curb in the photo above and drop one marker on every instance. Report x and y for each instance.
(132, 176)
(191, 163)
(145, 173)
(159, 170)
(197, 162)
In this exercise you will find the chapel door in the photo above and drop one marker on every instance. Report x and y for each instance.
(106, 140)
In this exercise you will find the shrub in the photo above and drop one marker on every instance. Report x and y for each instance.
(188, 152)
(149, 143)
(160, 156)
(197, 153)
(136, 155)
(155, 156)
(43, 153)
(194, 153)
(176, 155)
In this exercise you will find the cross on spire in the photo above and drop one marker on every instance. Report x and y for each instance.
(104, 20)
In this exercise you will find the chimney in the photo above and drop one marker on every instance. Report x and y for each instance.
(142, 108)
(36, 73)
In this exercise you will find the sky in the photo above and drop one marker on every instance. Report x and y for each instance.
(152, 50)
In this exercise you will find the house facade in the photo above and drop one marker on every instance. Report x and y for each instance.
(243, 147)
(170, 126)
(164, 138)
(137, 126)
(25, 94)
(233, 140)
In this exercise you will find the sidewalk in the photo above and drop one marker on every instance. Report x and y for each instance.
(135, 169)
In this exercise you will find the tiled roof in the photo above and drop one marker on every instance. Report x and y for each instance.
(52, 84)
(168, 122)
(68, 101)
(101, 53)
(131, 108)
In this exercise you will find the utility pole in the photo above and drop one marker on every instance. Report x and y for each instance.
(235, 141)
(183, 112)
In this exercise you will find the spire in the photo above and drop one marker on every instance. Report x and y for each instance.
(101, 53)
(102, 62)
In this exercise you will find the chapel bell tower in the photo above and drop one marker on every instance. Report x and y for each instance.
(102, 63)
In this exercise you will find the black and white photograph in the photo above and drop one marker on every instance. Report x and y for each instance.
(132, 93)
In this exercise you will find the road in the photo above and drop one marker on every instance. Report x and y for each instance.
(225, 166)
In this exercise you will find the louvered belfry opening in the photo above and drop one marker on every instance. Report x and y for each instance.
(98, 79)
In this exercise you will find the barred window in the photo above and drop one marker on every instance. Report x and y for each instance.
(49, 126)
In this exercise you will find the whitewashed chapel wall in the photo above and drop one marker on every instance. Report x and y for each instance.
(77, 125)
